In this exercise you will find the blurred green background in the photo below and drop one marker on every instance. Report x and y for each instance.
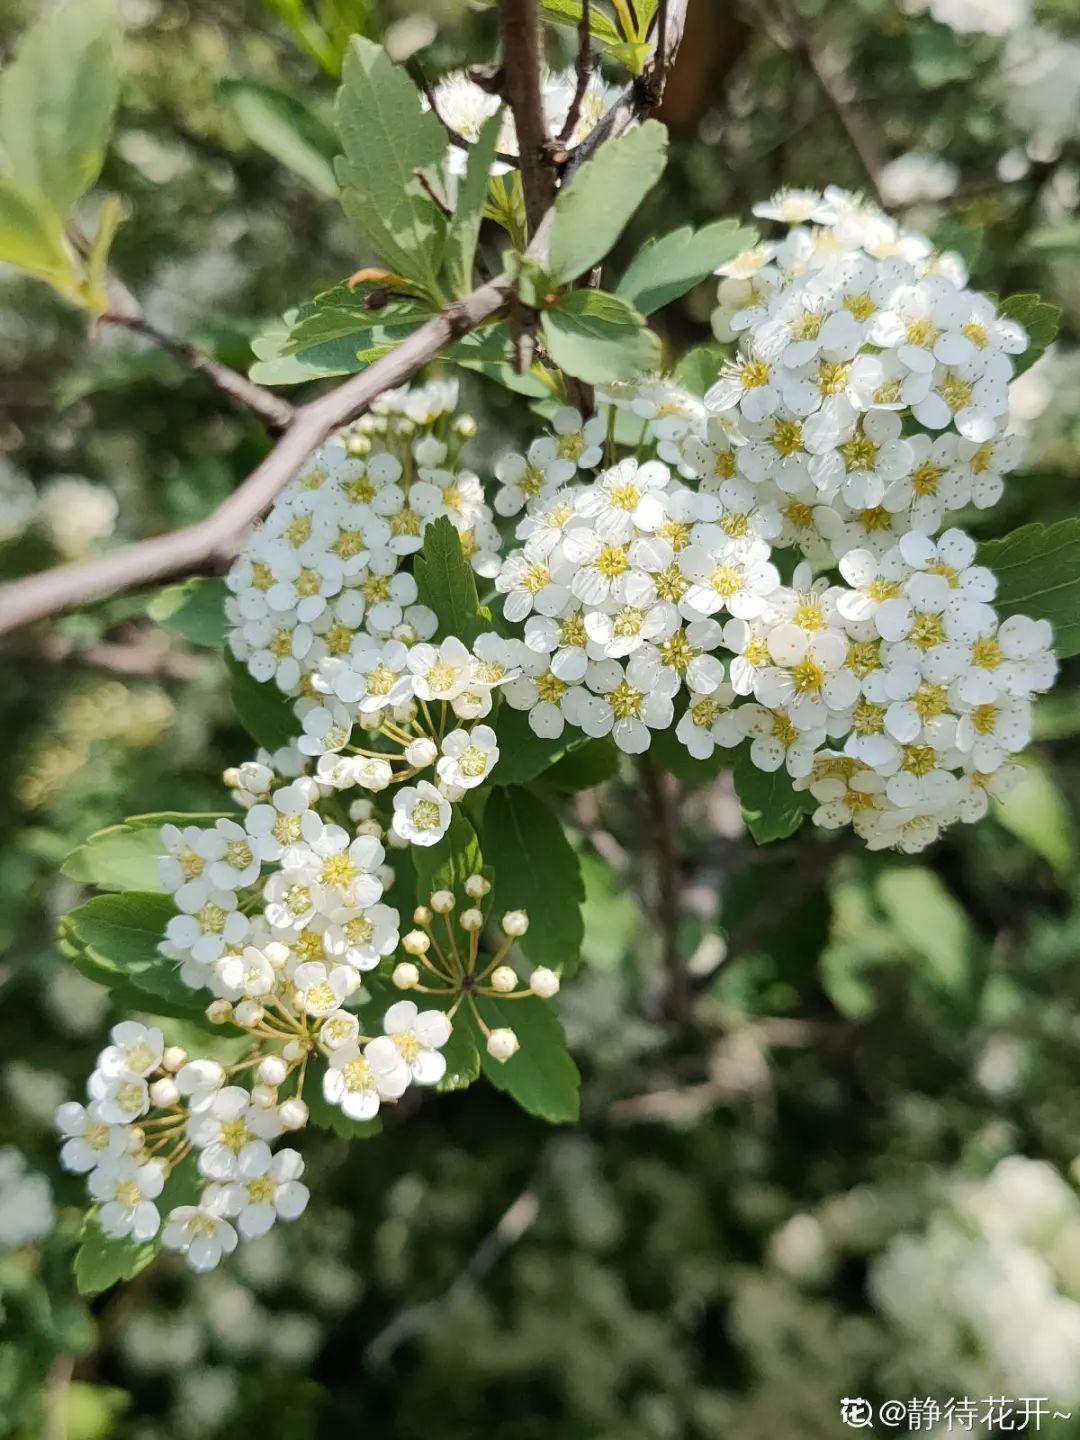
(856, 1172)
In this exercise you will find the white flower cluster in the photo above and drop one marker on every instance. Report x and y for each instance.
(866, 403)
(329, 559)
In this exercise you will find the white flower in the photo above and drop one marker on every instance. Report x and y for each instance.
(620, 705)
(708, 721)
(120, 1099)
(215, 924)
(421, 814)
(468, 757)
(231, 1132)
(361, 937)
(360, 1080)
(440, 672)
(272, 1192)
(126, 1191)
(793, 207)
(530, 583)
(545, 694)
(200, 1232)
(624, 499)
(418, 1036)
(90, 1139)
(320, 989)
(135, 1051)
(188, 853)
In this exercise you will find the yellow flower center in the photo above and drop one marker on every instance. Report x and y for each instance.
(956, 392)
(984, 718)
(612, 561)
(262, 577)
(212, 919)
(281, 644)
(338, 870)
(863, 658)
(923, 333)
(572, 630)
(727, 580)
(832, 377)
(671, 583)
(625, 701)
(977, 334)
(918, 759)
(930, 700)
(473, 762)
(261, 1191)
(375, 588)
(550, 688)
(808, 676)
(925, 478)
(535, 577)
(426, 815)
(287, 829)
(128, 1193)
(868, 719)
(927, 631)
(861, 306)
(676, 652)
(860, 452)
(987, 654)
(753, 374)
(787, 437)
(783, 729)
(625, 497)
(298, 531)
(357, 1074)
(191, 864)
(704, 712)
(235, 1135)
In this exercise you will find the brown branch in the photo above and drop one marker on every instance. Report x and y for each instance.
(272, 410)
(661, 791)
(521, 62)
(211, 544)
(583, 68)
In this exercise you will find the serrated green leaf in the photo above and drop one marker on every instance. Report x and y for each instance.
(771, 807)
(285, 128)
(57, 100)
(698, 369)
(1038, 570)
(599, 337)
(486, 351)
(542, 1076)
(265, 713)
(274, 364)
(665, 268)
(102, 1261)
(1041, 320)
(464, 228)
(387, 137)
(536, 869)
(195, 608)
(568, 12)
(32, 239)
(125, 856)
(593, 209)
(117, 937)
(445, 583)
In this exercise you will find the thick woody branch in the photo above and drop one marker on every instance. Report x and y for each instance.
(583, 70)
(211, 544)
(522, 61)
(272, 410)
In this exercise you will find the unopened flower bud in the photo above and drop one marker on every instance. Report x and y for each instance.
(501, 1044)
(361, 810)
(421, 753)
(272, 1070)
(292, 1051)
(134, 1139)
(504, 979)
(293, 1114)
(218, 1012)
(515, 922)
(465, 426)
(200, 1075)
(471, 919)
(406, 975)
(442, 901)
(370, 827)
(248, 1014)
(231, 777)
(173, 1058)
(353, 980)
(416, 943)
(264, 1096)
(544, 982)
(477, 886)
(164, 1092)
(421, 915)
(277, 954)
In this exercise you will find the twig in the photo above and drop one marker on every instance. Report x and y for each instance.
(146, 653)
(272, 410)
(212, 543)
(660, 60)
(661, 790)
(583, 68)
(521, 61)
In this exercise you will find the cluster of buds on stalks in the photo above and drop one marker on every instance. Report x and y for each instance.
(450, 964)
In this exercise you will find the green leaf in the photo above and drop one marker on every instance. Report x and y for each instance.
(666, 268)
(542, 1076)
(593, 209)
(286, 129)
(32, 239)
(486, 351)
(1041, 320)
(102, 1261)
(568, 12)
(195, 608)
(965, 240)
(265, 713)
(275, 364)
(125, 856)
(1054, 242)
(598, 337)
(771, 807)
(582, 767)
(523, 755)
(387, 138)
(116, 938)
(462, 1054)
(464, 228)
(929, 921)
(1035, 811)
(537, 870)
(1038, 570)
(325, 1116)
(449, 863)
(445, 582)
(698, 369)
(57, 99)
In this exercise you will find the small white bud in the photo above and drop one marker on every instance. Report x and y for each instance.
(272, 1070)
(134, 1139)
(353, 980)
(265, 1096)
(361, 810)
(370, 827)
(477, 886)
(277, 954)
(200, 1075)
(515, 922)
(219, 1011)
(173, 1058)
(421, 753)
(231, 777)
(385, 876)
(405, 975)
(504, 979)
(421, 915)
(465, 426)
(544, 982)
(292, 1051)
(471, 920)
(442, 901)
(293, 1114)
(248, 1014)
(501, 1044)
(416, 943)
(164, 1092)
